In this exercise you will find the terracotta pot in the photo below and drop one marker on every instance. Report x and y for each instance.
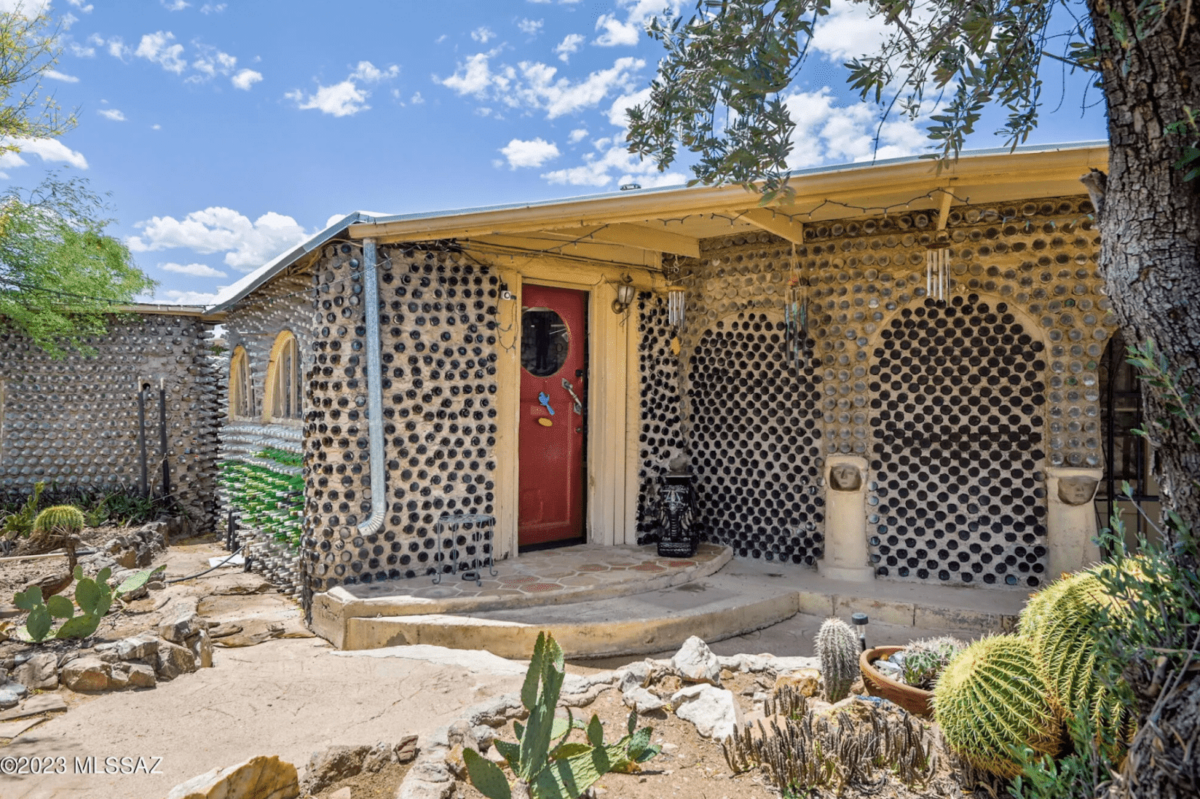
(914, 700)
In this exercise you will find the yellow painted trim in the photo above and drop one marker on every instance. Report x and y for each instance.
(772, 222)
(1004, 176)
(239, 358)
(640, 236)
(282, 340)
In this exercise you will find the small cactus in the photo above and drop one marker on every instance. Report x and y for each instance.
(59, 522)
(838, 648)
(991, 702)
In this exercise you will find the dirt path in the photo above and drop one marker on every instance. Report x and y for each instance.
(285, 697)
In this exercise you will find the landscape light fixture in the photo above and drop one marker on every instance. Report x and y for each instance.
(625, 295)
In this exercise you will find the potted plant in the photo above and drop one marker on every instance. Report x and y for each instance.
(906, 674)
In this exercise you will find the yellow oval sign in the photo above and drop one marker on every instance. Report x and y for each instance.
(544, 422)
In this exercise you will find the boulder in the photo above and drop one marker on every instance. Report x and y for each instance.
(333, 764)
(141, 676)
(695, 662)
(641, 700)
(86, 674)
(202, 647)
(11, 693)
(139, 647)
(172, 660)
(635, 675)
(713, 711)
(180, 628)
(806, 681)
(39, 673)
(256, 778)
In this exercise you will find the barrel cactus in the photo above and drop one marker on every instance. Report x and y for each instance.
(838, 648)
(991, 702)
(60, 521)
(1063, 624)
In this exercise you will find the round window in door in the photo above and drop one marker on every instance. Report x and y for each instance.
(545, 341)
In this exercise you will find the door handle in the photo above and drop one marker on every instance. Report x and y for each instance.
(570, 390)
(544, 399)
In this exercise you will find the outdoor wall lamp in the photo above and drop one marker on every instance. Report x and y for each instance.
(625, 295)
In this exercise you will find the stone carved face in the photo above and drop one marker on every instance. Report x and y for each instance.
(845, 477)
(1076, 490)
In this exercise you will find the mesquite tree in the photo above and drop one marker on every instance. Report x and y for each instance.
(721, 90)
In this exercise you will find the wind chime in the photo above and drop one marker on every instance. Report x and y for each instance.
(937, 271)
(675, 299)
(796, 314)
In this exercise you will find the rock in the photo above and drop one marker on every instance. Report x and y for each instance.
(224, 629)
(484, 734)
(39, 673)
(806, 681)
(642, 700)
(256, 778)
(380, 755)
(35, 706)
(120, 676)
(406, 750)
(786, 664)
(11, 693)
(138, 647)
(713, 711)
(181, 628)
(333, 764)
(127, 558)
(172, 660)
(341, 793)
(635, 675)
(695, 662)
(429, 778)
(86, 674)
(202, 647)
(141, 676)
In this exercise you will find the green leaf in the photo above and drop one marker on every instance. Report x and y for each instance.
(631, 724)
(519, 729)
(533, 675)
(486, 776)
(78, 627)
(29, 598)
(569, 749)
(38, 624)
(595, 732)
(60, 607)
(510, 752)
(87, 595)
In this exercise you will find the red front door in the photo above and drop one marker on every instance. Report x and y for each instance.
(553, 422)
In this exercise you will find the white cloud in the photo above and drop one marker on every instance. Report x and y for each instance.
(49, 150)
(615, 32)
(211, 8)
(157, 48)
(829, 133)
(616, 113)
(417, 99)
(195, 270)
(175, 5)
(81, 51)
(577, 135)
(212, 62)
(54, 74)
(639, 13)
(346, 98)
(529, 153)
(534, 85)
(68, 20)
(156, 127)
(569, 46)
(614, 165)
(83, 5)
(25, 8)
(245, 79)
(483, 34)
(530, 27)
(247, 245)
(176, 297)
(369, 73)
(115, 46)
(848, 31)
(340, 100)
(111, 114)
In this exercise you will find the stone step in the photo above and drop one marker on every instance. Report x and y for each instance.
(333, 610)
(714, 608)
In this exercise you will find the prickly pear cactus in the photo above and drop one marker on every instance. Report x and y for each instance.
(838, 648)
(991, 700)
(94, 598)
(546, 765)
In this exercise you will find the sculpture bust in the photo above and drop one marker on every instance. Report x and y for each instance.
(845, 477)
(1076, 490)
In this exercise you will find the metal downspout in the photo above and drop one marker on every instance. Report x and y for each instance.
(374, 391)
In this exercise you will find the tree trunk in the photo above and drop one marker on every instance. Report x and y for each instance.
(1150, 260)
(1150, 222)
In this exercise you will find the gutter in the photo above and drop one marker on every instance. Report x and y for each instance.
(374, 391)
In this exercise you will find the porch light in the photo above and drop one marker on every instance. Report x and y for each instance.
(625, 295)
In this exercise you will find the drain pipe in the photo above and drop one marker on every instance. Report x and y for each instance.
(374, 391)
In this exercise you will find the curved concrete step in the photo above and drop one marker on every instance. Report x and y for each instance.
(713, 608)
(333, 611)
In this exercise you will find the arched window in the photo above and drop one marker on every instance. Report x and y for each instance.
(241, 396)
(283, 400)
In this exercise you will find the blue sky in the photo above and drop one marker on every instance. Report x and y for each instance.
(228, 131)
